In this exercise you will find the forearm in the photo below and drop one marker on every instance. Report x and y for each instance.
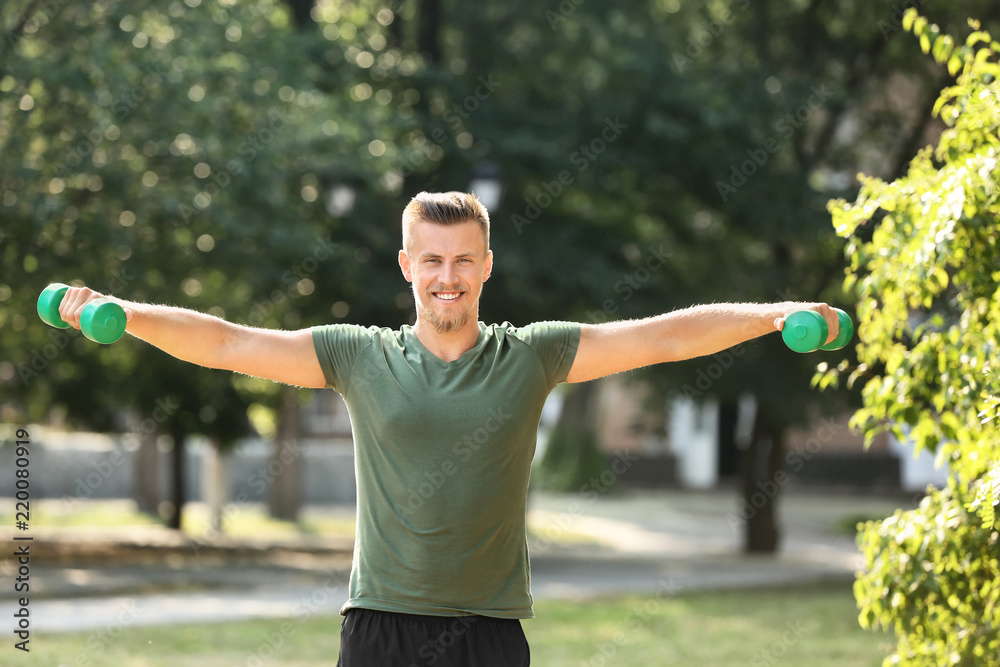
(185, 334)
(706, 329)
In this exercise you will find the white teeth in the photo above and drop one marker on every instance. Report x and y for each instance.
(449, 297)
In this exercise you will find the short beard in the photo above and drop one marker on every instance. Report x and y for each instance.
(442, 325)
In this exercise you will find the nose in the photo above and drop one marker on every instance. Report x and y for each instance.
(448, 273)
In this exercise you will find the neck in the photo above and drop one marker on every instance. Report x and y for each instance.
(447, 346)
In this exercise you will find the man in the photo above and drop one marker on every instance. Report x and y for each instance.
(444, 415)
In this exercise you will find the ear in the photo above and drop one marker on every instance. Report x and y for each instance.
(488, 266)
(404, 266)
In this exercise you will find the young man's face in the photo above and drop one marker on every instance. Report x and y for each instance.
(447, 266)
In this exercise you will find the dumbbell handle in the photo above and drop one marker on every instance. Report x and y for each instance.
(806, 331)
(102, 321)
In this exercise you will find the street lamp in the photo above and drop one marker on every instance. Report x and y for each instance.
(485, 183)
(340, 201)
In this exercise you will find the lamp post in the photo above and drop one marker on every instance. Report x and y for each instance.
(485, 183)
(340, 201)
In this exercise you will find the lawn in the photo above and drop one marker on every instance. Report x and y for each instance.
(249, 520)
(813, 626)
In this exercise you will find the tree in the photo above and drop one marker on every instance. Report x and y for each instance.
(925, 252)
(175, 163)
(729, 136)
(614, 126)
(622, 131)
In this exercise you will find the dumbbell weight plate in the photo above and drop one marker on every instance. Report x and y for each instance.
(48, 305)
(102, 321)
(804, 331)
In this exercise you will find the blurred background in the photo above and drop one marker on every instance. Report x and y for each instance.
(251, 160)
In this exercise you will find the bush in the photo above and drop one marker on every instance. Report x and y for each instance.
(933, 575)
(925, 265)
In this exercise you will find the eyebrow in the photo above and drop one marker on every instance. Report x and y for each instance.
(434, 255)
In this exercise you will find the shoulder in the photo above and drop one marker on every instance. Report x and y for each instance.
(537, 331)
(542, 337)
(347, 331)
(353, 338)
(552, 345)
(340, 346)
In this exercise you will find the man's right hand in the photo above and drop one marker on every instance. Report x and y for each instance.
(75, 300)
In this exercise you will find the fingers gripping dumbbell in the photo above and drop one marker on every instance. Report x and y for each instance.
(806, 331)
(102, 321)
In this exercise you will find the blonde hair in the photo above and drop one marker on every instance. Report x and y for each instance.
(445, 208)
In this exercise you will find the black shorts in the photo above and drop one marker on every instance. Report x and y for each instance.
(385, 639)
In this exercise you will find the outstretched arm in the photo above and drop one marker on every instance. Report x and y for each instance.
(614, 347)
(283, 356)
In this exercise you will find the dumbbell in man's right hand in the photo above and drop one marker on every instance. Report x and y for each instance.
(75, 301)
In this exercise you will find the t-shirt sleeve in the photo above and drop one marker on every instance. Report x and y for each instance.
(555, 343)
(338, 347)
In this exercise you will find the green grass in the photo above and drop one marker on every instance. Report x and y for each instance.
(813, 626)
(238, 521)
(106, 514)
(255, 522)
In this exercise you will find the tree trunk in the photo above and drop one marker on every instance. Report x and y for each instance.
(760, 467)
(394, 35)
(572, 456)
(215, 485)
(429, 30)
(177, 483)
(285, 498)
(729, 451)
(302, 13)
(146, 486)
(576, 416)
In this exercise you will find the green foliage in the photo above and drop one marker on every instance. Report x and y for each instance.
(189, 147)
(926, 277)
(988, 488)
(925, 265)
(933, 575)
(182, 152)
(178, 154)
(987, 496)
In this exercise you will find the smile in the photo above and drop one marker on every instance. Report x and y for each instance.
(447, 296)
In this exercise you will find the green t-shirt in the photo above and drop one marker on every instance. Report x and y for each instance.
(443, 452)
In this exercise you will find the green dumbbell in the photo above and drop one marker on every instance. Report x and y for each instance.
(806, 331)
(101, 321)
